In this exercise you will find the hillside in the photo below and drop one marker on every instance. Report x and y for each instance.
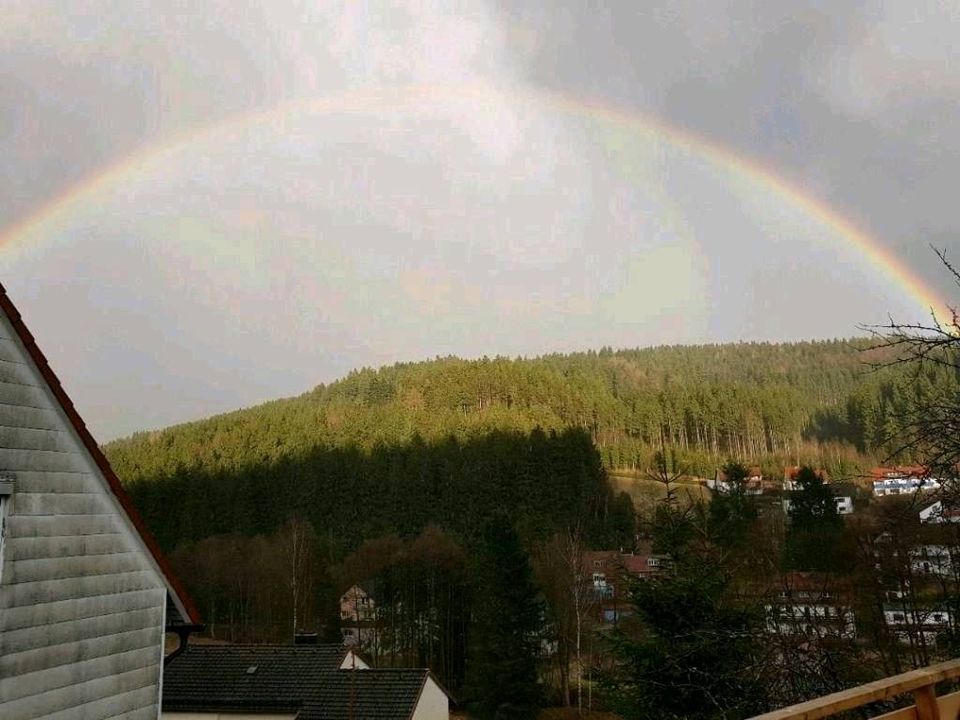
(759, 401)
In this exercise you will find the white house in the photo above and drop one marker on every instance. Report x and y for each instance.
(85, 594)
(902, 480)
(905, 622)
(932, 560)
(936, 514)
(844, 504)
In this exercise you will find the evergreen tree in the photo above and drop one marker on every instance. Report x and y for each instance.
(698, 652)
(732, 512)
(816, 528)
(504, 635)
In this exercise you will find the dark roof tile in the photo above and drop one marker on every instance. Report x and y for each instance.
(302, 678)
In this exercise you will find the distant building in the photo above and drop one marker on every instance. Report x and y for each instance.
(753, 483)
(358, 618)
(937, 513)
(790, 473)
(844, 504)
(933, 560)
(907, 624)
(609, 572)
(814, 605)
(901, 480)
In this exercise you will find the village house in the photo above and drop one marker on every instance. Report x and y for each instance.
(901, 480)
(812, 605)
(85, 593)
(358, 616)
(753, 484)
(937, 513)
(932, 559)
(910, 624)
(295, 682)
(844, 504)
(790, 473)
(608, 572)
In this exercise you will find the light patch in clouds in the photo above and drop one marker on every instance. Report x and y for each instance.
(906, 51)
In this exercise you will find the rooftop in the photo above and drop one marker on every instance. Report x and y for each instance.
(305, 679)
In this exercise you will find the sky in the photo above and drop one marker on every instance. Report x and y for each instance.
(208, 205)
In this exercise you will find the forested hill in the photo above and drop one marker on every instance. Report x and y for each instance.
(754, 401)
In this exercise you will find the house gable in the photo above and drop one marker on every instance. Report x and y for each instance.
(83, 588)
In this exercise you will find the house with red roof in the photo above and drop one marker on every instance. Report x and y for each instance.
(85, 593)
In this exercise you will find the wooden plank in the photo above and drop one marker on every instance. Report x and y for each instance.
(28, 638)
(925, 701)
(39, 481)
(139, 704)
(26, 395)
(10, 350)
(949, 708)
(871, 692)
(52, 656)
(53, 526)
(61, 503)
(47, 680)
(16, 372)
(15, 460)
(79, 695)
(37, 593)
(19, 438)
(43, 569)
(50, 613)
(950, 705)
(29, 417)
(907, 713)
(33, 548)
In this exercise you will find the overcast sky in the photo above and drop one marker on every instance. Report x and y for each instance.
(301, 188)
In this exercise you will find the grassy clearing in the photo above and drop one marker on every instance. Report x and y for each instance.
(646, 492)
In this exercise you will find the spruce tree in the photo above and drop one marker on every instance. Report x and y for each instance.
(698, 649)
(504, 635)
(816, 528)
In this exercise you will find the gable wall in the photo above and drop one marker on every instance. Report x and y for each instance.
(81, 603)
(433, 704)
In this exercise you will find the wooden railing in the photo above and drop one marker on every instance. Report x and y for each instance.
(922, 682)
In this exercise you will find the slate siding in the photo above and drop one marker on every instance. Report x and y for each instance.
(81, 603)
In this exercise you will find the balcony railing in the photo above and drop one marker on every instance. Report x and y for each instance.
(921, 683)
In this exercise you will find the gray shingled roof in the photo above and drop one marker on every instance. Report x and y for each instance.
(374, 694)
(287, 678)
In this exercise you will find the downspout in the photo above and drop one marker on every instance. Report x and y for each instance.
(183, 632)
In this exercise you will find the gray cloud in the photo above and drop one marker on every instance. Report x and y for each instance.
(261, 258)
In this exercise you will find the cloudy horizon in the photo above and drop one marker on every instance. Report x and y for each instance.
(315, 188)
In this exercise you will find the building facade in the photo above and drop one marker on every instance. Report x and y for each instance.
(85, 594)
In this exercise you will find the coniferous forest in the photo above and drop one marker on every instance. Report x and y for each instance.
(823, 402)
(421, 482)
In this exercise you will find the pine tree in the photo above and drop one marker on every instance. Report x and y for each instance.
(504, 635)
(816, 528)
(698, 651)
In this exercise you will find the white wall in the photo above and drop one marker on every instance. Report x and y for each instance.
(433, 704)
(81, 603)
(352, 661)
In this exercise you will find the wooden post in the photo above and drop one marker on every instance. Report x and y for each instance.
(926, 700)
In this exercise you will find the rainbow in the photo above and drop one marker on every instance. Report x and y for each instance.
(43, 222)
